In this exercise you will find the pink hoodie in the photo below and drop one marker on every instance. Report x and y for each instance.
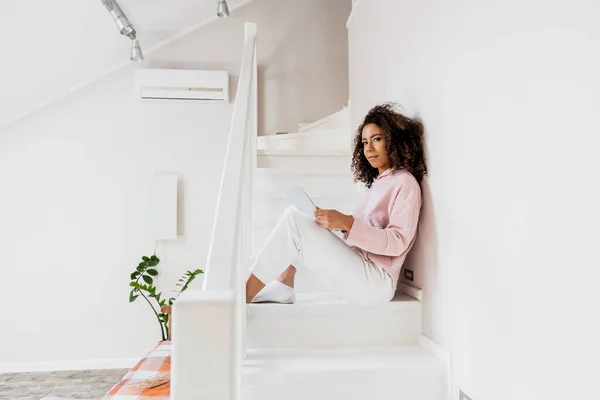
(385, 223)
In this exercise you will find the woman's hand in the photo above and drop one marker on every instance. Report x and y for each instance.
(333, 219)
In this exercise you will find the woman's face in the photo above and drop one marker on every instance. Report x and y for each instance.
(374, 147)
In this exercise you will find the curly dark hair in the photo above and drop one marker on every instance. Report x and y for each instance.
(403, 138)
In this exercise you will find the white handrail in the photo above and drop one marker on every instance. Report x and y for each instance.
(232, 204)
(209, 324)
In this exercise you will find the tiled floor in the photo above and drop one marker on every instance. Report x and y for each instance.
(73, 384)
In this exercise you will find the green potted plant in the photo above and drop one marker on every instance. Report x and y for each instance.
(142, 284)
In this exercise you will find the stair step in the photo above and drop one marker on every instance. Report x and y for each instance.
(333, 139)
(323, 320)
(310, 161)
(304, 153)
(304, 170)
(381, 372)
(292, 136)
(332, 186)
(339, 119)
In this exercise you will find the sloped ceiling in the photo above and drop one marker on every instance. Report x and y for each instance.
(47, 48)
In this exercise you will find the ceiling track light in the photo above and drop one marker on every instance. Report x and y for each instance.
(136, 51)
(222, 9)
(125, 28)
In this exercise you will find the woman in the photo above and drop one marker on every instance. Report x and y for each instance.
(365, 266)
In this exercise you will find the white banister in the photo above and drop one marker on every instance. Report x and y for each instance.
(209, 324)
(203, 360)
(221, 256)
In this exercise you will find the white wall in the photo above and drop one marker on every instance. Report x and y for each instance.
(509, 93)
(74, 176)
(302, 56)
(49, 48)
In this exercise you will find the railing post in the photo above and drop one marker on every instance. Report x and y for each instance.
(223, 296)
(203, 359)
(246, 210)
(253, 98)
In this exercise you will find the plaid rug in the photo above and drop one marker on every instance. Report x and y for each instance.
(156, 364)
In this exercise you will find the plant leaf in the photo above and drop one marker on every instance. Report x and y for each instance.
(152, 272)
(146, 259)
(147, 279)
(132, 296)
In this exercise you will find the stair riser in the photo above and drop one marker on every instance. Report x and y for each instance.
(274, 185)
(322, 163)
(349, 385)
(338, 123)
(349, 326)
(339, 140)
(338, 120)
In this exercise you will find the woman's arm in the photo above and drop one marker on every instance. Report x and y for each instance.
(397, 236)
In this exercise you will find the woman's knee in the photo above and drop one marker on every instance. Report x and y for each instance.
(292, 212)
(290, 209)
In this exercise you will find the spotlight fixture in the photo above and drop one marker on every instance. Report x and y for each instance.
(136, 51)
(222, 9)
(125, 28)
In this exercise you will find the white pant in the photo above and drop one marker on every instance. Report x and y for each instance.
(342, 268)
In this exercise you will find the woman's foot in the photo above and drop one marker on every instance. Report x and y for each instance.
(253, 286)
(276, 292)
(279, 291)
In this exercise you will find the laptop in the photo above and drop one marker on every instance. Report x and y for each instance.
(301, 200)
(304, 203)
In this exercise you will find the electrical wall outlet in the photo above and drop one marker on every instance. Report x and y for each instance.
(409, 275)
(463, 396)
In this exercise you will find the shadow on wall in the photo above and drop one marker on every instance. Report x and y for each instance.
(423, 257)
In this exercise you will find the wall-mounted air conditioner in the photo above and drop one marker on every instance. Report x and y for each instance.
(183, 84)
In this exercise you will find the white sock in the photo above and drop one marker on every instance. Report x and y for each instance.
(275, 292)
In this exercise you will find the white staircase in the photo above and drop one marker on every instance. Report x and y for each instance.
(320, 321)
(322, 347)
(402, 373)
